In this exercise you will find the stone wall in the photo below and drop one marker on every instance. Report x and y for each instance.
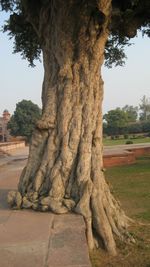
(11, 145)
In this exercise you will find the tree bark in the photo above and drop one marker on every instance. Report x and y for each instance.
(65, 167)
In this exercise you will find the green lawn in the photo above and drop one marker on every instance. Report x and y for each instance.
(109, 142)
(131, 185)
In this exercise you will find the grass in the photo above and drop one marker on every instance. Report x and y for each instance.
(131, 185)
(110, 142)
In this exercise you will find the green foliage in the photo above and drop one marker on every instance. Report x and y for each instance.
(127, 17)
(124, 121)
(135, 128)
(139, 127)
(132, 113)
(146, 126)
(131, 128)
(21, 31)
(8, 5)
(23, 121)
(116, 121)
(126, 136)
(145, 109)
(114, 51)
(25, 38)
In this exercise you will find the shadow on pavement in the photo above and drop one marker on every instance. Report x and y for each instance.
(3, 199)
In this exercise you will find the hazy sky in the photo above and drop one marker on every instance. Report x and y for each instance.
(123, 85)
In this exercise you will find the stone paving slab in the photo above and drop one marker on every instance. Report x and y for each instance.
(42, 239)
(28, 255)
(36, 239)
(4, 216)
(24, 238)
(21, 223)
(68, 246)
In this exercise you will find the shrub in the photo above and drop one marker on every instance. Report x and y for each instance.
(129, 142)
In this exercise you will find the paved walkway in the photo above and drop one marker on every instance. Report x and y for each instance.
(36, 239)
(121, 149)
(22, 153)
(14, 155)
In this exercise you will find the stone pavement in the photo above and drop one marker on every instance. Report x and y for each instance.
(14, 155)
(36, 239)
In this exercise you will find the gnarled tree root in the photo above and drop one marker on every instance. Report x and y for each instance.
(104, 219)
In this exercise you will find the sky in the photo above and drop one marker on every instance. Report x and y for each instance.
(122, 85)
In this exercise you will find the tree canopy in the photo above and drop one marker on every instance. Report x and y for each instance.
(145, 108)
(22, 123)
(128, 119)
(116, 120)
(132, 113)
(127, 17)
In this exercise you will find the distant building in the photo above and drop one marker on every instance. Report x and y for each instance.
(4, 132)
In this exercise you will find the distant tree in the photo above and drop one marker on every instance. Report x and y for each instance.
(104, 128)
(22, 123)
(131, 112)
(135, 127)
(116, 121)
(146, 126)
(145, 108)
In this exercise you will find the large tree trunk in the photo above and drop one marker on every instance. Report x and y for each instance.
(65, 167)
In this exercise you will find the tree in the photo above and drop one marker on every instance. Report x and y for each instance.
(135, 127)
(117, 120)
(65, 167)
(146, 126)
(132, 113)
(145, 108)
(24, 119)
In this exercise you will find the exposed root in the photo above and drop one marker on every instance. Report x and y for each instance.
(100, 224)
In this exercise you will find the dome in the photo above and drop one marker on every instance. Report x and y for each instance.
(6, 111)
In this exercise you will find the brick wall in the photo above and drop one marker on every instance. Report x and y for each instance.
(126, 157)
(119, 159)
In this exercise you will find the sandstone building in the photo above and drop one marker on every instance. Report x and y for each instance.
(4, 132)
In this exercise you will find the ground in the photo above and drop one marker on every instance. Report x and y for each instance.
(131, 184)
(60, 242)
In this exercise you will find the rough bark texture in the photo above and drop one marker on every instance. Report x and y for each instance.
(65, 167)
